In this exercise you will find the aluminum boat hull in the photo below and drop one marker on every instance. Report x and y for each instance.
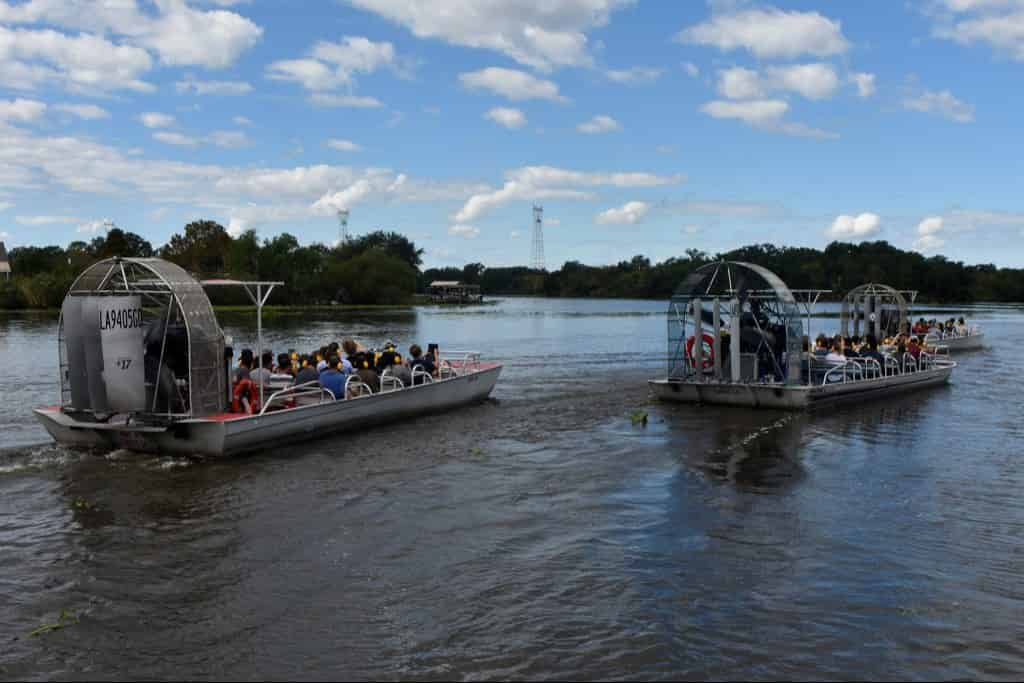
(781, 397)
(971, 342)
(230, 434)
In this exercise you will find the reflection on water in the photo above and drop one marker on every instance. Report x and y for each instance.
(538, 535)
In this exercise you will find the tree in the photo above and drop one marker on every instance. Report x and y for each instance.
(204, 248)
(373, 277)
(471, 273)
(117, 242)
(391, 243)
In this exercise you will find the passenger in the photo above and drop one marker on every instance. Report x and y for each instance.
(284, 365)
(914, 348)
(333, 379)
(871, 350)
(388, 357)
(961, 327)
(836, 354)
(418, 360)
(821, 346)
(262, 375)
(848, 348)
(244, 366)
(366, 372)
(307, 373)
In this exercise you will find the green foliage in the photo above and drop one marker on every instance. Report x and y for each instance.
(203, 249)
(373, 277)
(391, 243)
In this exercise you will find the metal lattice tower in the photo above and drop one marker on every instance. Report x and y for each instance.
(537, 250)
(342, 226)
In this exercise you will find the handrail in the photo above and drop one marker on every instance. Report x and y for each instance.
(355, 383)
(419, 371)
(392, 380)
(304, 389)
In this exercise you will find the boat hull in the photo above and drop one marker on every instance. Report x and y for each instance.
(781, 397)
(971, 342)
(232, 434)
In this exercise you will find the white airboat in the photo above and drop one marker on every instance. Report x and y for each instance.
(144, 366)
(751, 329)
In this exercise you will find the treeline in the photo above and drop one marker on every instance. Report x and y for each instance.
(378, 268)
(840, 267)
(384, 268)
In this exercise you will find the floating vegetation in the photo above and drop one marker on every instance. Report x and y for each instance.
(82, 504)
(638, 417)
(476, 451)
(67, 618)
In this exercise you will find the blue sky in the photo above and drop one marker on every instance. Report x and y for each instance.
(641, 126)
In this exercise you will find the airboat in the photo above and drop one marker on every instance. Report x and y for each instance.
(144, 365)
(971, 339)
(736, 336)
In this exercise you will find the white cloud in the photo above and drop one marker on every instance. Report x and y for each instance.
(89, 112)
(544, 182)
(190, 84)
(814, 81)
(508, 117)
(666, 149)
(691, 69)
(765, 115)
(942, 103)
(637, 75)
(333, 66)
(548, 222)
(84, 63)
(228, 139)
(537, 33)
(22, 110)
(865, 84)
(998, 23)
(599, 124)
(770, 33)
(44, 220)
(691, 229)
(927, 243)
(465, 231)
(514, 235)
(348, 101)
(512, 84)
(93, 227)
(929, 225)
(860, 226)
(343, 145)
(153, 119)
(183, 36)
(179, 139)
(241, 121)
(5, 205)
(630, 212)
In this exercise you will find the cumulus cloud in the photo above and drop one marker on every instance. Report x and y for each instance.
(505, 116)
(764, 114)
(637, 75)
(630, 212)
(343, 145)
(334, 66)
(770, 33)
(536, 33)
(530, 183)
(997, 23)
(865, 84)
(942, 104)
(852, 227)
(512, 84)
(178, 139)
(464, 231)
(93, 227)
(44, 220)
(89, 112)
(197, 87)
(153, 119)
(599, 124)
(691, 69)
(241, 121)
(814, 81)
(228, 139)
(21, 110)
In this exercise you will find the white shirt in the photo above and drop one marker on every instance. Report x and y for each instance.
(836, 358)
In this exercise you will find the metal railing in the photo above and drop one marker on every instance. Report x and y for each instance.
(863, 369)
(294, 394)
(469, 363)
(356, 387)
(390, 382)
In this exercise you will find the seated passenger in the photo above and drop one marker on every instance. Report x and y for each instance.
(262, 375)
(307, 373)
(284, 365)
(914, 348)
(418, 360)
(333, 379)
(961, 327)
(388, 357)
(821, 346)
(836, 354)
(850, 348)
(870, 350)
(244, 366)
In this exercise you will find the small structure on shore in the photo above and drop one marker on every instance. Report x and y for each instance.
(5, 264)
(452, 292)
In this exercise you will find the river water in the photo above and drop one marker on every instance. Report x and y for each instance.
(538, 535)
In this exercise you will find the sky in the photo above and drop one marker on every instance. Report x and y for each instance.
(641, 126)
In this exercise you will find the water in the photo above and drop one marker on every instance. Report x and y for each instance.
(539, 535)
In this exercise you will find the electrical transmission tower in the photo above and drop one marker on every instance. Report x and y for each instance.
(537, 251)
(342, 226)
